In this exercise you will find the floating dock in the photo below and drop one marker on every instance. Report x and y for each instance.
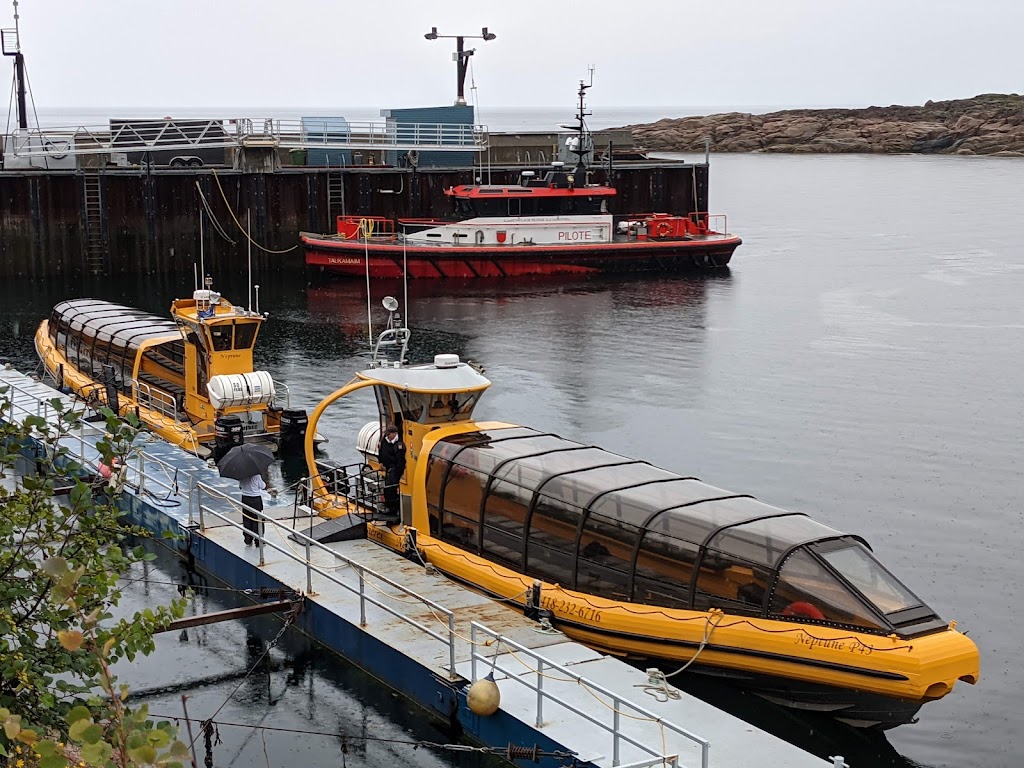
(419, 632)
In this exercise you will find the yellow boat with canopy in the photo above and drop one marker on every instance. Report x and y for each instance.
(639, 561)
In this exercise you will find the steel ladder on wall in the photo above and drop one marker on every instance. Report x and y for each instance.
(94, 241)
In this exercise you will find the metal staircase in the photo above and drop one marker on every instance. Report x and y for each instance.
(94, 240)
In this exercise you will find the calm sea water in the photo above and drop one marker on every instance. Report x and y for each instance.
(860, 362)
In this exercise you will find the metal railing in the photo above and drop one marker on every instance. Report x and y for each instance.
(155, 399)
(311, 545)
(136, 472)
(141, 475)
(350, 488)
(713, 223)
(201, 133)
(281, 389)
(618, 703)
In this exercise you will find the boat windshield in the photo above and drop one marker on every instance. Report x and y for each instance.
(857, 566)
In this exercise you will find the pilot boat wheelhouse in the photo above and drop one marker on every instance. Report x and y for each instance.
(649, 564)
(190, 378)
(560, 223)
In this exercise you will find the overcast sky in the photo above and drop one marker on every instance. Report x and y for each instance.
(333, 53)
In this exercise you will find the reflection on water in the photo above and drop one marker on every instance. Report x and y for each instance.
(859, 363)
(313, 704)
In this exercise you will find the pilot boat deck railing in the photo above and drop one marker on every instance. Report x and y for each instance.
(147, 475)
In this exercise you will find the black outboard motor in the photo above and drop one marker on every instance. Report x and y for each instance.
(293, 431)
(113, 394)
(228, 432)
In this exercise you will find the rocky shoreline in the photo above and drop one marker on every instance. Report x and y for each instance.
(989, 124)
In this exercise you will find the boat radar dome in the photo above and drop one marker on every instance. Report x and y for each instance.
(446, 361)
(557, 164)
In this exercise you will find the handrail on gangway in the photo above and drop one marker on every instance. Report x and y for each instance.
(545, 665)
(138, 474)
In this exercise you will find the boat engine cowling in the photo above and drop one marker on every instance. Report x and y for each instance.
(240, 389)
(368, 440)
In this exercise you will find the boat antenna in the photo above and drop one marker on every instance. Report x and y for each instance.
(405, 277)
(248, 227)
(202, 245)
(580, 150)
(12, 47)
(369, 315)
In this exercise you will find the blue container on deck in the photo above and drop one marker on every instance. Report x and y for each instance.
(326, 130)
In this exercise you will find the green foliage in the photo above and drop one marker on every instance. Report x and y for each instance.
(60, 561)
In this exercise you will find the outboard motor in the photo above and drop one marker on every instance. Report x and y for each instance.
(229, 433)
(293, 430)
(113, 393)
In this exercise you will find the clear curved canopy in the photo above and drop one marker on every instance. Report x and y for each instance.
(598, 522)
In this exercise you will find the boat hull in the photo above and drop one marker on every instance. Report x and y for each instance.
(862, 679)
(354, 258)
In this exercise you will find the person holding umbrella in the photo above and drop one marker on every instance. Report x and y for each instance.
(248, 464)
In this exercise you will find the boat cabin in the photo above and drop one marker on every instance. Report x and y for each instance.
(556, 194)
(603, 524)
(421, 398)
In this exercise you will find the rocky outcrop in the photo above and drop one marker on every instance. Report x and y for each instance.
(990, 124)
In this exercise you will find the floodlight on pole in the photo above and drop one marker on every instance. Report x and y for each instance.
(461, 56)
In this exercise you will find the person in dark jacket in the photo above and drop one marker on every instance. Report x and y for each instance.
(392, 457)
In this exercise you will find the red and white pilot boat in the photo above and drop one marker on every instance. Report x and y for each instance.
(555, 224)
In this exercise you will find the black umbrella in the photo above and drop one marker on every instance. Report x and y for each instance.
(245, 460)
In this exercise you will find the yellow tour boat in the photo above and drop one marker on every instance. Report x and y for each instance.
(190, 379)
(638, 561)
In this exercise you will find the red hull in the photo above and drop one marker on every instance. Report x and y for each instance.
(349, 257)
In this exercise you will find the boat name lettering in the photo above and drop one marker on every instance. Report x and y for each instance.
(336, 260)
(375, 534)
(585, 235)
(570, 608)
(835, 645)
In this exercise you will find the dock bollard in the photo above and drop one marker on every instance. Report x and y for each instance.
(838, 762)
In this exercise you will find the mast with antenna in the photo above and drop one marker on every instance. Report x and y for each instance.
(582, 145)
(11, 44)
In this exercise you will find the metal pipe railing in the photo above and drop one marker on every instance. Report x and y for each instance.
(618, 702)
(194, 493)
(362, 571)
